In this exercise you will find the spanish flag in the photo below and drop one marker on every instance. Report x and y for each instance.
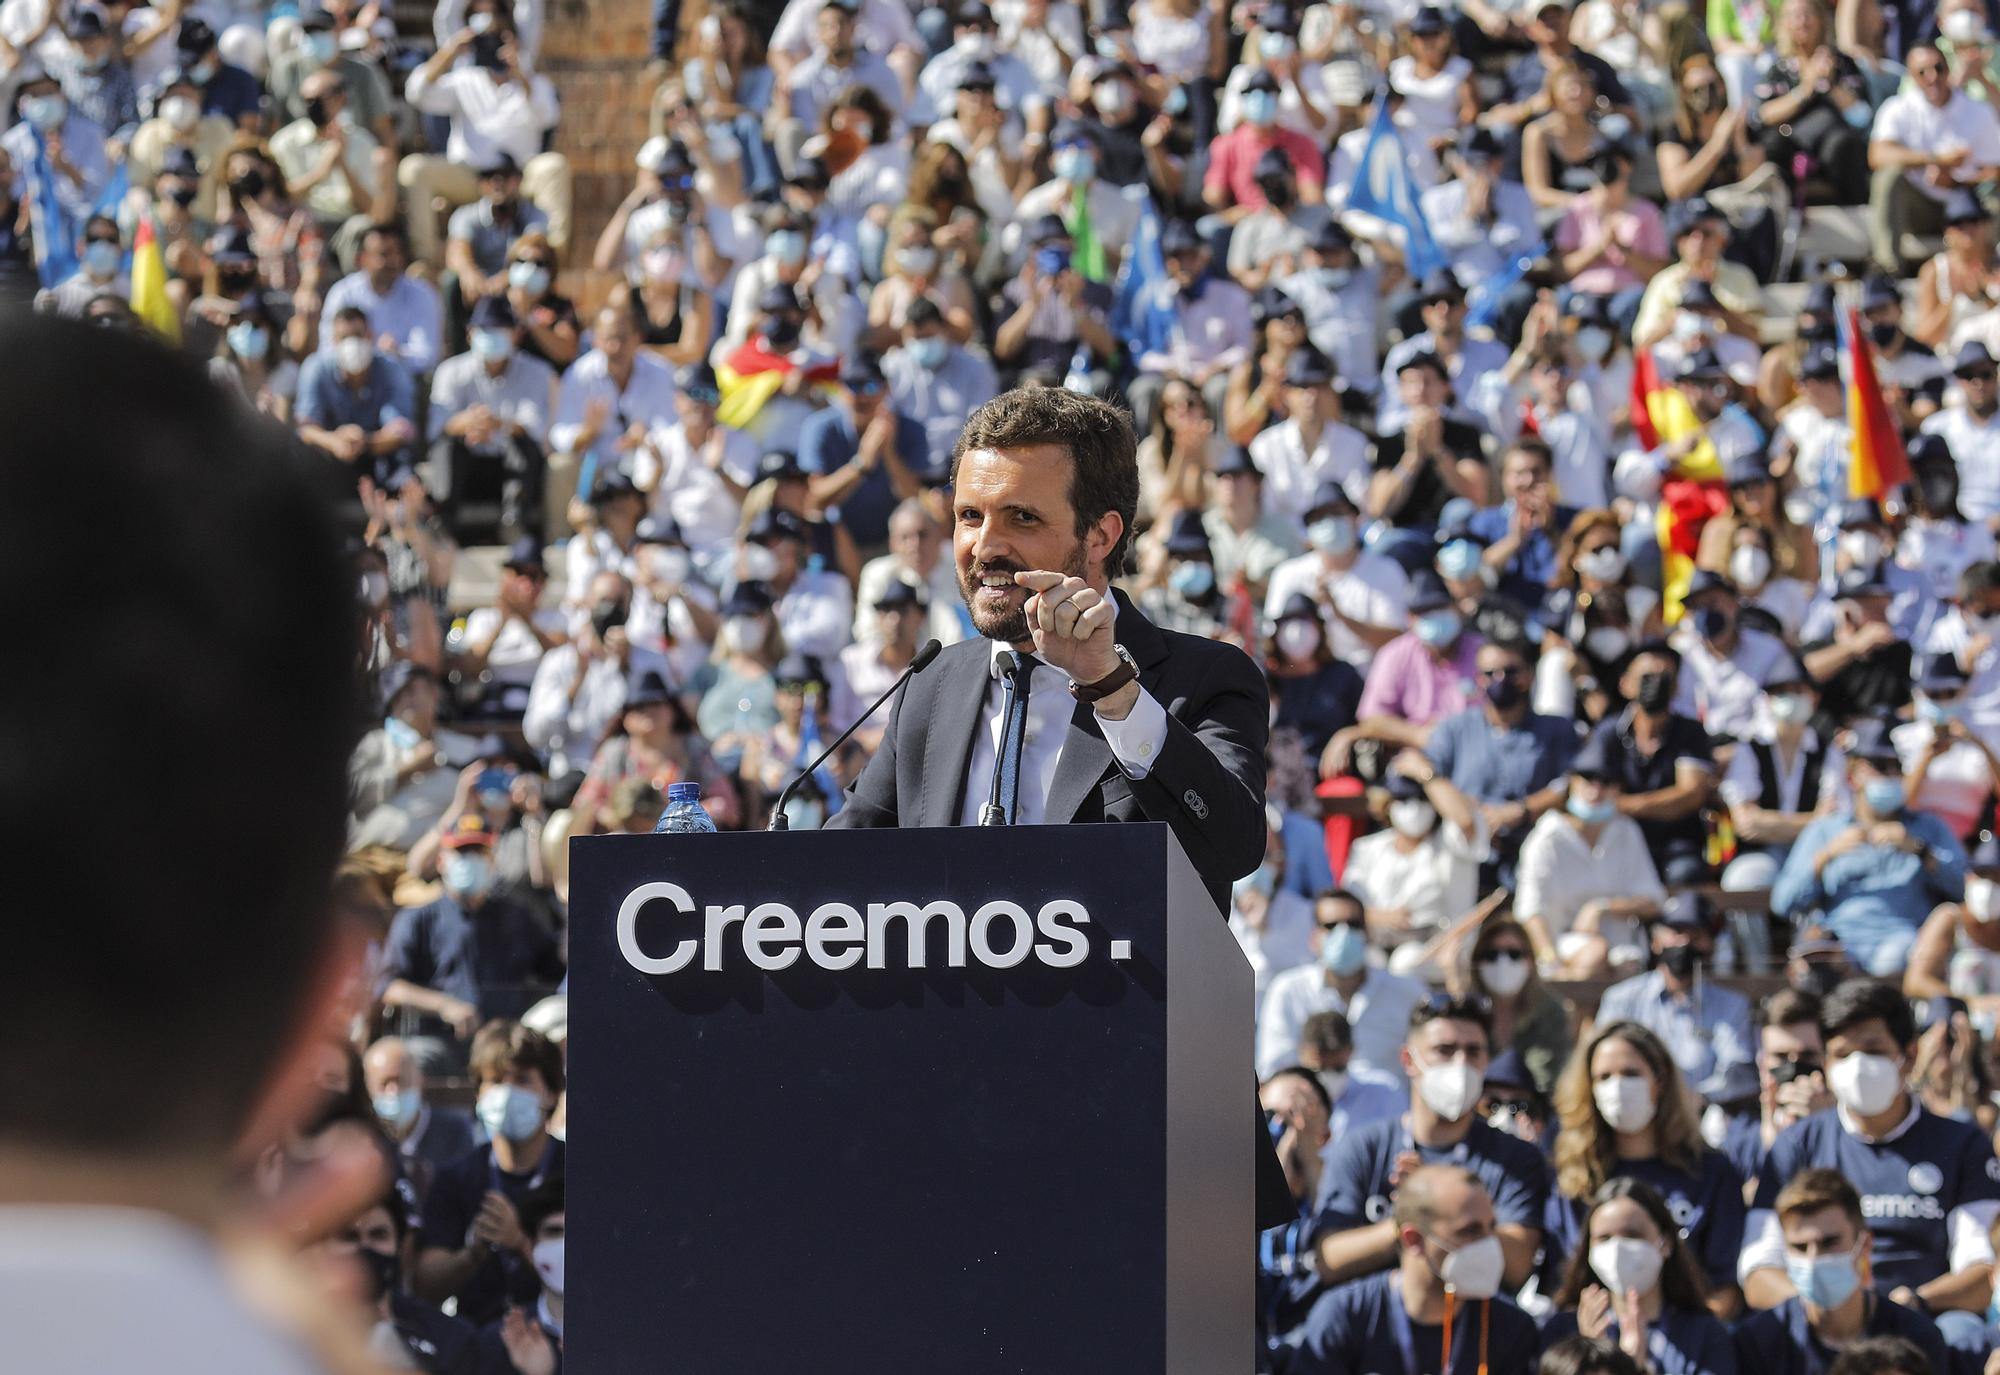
(149, 284)
(1877, 460)
(1691, 492)
(753, 375)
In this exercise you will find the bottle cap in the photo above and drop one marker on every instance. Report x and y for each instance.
(683, 792)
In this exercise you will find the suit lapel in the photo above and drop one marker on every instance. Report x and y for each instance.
(957, 709)
(1085, 755)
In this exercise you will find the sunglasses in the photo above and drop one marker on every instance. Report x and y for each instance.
(1977, 375)
(1501, 952)
(1492, 675)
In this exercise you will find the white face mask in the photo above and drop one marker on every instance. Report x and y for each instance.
(1863, 547)
(1474, 1270)
(1504, 975)
(1451, 1090)
(759, 563)
(1791, 708)
(1749, 567)
(1606, 642)
(742, 635)
(1298, 639)
(1626, 1263)
(1689, 326)
(1865, 1084)
(1962, 26)
(1412, 817)
(374, 588)
(1626, 1101)
(1334, 1081)
(549, 1264)
(1980, 898)
(1604, 563)
(354, 354)
(1593, 342)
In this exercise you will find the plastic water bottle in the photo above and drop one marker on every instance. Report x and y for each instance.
(684, 810)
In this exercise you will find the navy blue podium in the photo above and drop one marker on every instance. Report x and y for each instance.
(900, 1101)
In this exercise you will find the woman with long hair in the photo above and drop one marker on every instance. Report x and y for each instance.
(1626, 1113)
(1709, 145)
(1596, 614)
(1435, 82)
(1499, 966)
(1177, 456)
(1754, 500)
(654, 740)
(1256, 385)
(1631, 1281)
(1559, 150)
(250, 357)
(1960, 282)
(1813, 99)
(914, 266)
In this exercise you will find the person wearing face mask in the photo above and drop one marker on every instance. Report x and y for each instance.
(479, 236)
(1050, 312)
(529, 1340)
(1724, 663)
(1912, 375)
(427, 1135)
(1185, 594)
(738, 694)
(975, 39)
(1461, 364)
(1780, 776)
(472, 1245)
(1421, 873)
(318, 49)
(579, 688)
(1356, 1094)
(1313, 692)
(1112, 221)
(1250, 543)
(933, 379)
(72, 146)
(1781, 574)
(1499, 966)
(866, 454)
(100, 257)
(250, 360)
(1627, 1114)
(354, 404)
(1438, 1309)
(1231, 184)
(96, 79)
(488, 416)
(501, 645)
(1791, 1076)
(1521, 534)
(1928, 1185)
(1302, 103)
(1130, 141)
(1828, 1258)
(1664, 762)
(786, 261)
(815, 605)
(1268, 241)
(401, 788)
(1874, 868)
(1444, 1057)
(1274, 926)
(1698, 232)
(608, 401)
(1201, 330)
(1585, 875)
(1341, 299)
(550, 327)
(1970, 427)
(1948, 769)
(1957, 954)
(225, 89)
(1937, 542)
(1596, 613)
(697, 470)
(1701, 321)
(1481, 218)
(1420, 677)
(1965, 631)
(471, 953)
(871, 665)
(1337, 977)
(1956, 285)
(1634, 1280)
(1854, 652)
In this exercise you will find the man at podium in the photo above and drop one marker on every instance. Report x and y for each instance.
(1071, 706)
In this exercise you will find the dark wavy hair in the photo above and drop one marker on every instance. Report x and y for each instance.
(1100, 441)
(1681, 1282)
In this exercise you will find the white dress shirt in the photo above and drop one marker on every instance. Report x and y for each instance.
(683, 486)
(1293, 477)
(815, 613)
(1378, 1014)
(489, 115)
(1135, 741)
(1375, 591)
(648, 395)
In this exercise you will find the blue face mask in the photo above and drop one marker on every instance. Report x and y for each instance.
(249, 342)
(1260, 108)
(492, 344)
(1176, 102)
(401, 733)
(1826, 1282)
(530, 277)
(1934, 712)
(1458, 559)
(399, 1109)
(466, 875)
(1263, 879)
(1439, 628)
(321, 47)
(1075, 164)
(1192, 581)
(100, 257)
(787, 246)
(929, 351)
(45, 111)
(1332, 535)
(1591, 813)
(510, 1112)
(1884, 795)
(1343, 950)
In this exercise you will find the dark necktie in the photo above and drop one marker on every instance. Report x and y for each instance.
(1014, 732)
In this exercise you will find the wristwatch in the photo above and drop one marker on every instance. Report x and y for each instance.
(1127, 670)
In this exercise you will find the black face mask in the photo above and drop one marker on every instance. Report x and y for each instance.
(607, 616)
(1278, 191)
(1939, 493)
(384, 1270)
(236, 283)
(249, 186)
(319, 112)
(780, 330)
(505, 206)
(1505, 693)
(183, 196)
(1656, 691)
(486, 50)
(1711, 623)
(1681, 961)
(1819, 331)
(1883, 333)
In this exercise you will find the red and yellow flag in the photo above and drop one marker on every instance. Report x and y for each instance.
(149, 285)
(1691, 492)
(1877, 460)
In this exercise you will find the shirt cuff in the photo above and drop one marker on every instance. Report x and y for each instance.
(1970, 1228)
(1137, 740)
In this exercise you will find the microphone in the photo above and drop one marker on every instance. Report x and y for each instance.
(918, 664)
(1010, 666)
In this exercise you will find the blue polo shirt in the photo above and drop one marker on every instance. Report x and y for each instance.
(1490, 763)
(1354, 1189)
(1527, 576)
(1779, 1341)
(500, 958)
(1707, 1206)
(1361, 1327)
(828, 440)
(1680, 1343)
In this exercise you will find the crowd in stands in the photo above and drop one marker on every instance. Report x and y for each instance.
(1627, 943)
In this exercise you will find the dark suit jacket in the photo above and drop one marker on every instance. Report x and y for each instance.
(1208, 783)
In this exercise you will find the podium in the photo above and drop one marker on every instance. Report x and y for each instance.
(896, 1101)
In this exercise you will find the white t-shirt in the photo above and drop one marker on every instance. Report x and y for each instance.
(1911, 121)
(1560, 871)
(1293, 477)
(515, 652)
(1723, 694)
(1437, 883)
(1430, 103)
(1375, 591)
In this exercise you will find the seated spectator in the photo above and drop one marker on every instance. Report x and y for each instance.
(1460, 364)
(100, 272)
(428, 1136)
(532, 1338)
(479, 236)
(249, 360)
(1813, 99)
(96, 79)
(867, 454)
(917, 545)
(1449, 1209)
(654, 741)
(1634, 1278)
(1376, 1003)
(1312, 448)
(1927, 1185)
(873, 663)
(1315, 693)
(1183, 448)
(580, 687)
(609, 400)
(400, 787)
(1663, 762)
(1925, 143)
(1872, 867)
(1210, 330)
(1364, 594)
(697, 471)
(549, 322)
(501, 645)
(1937, 541)
(1482, 219)
(376, 107)
(1508, 759)
(609, 543)
(1250, 543)
(1529, 1024)
(1304, 104)
(1586, 876)
(1724, 663)
(1912, 375)
(1956, 286)
(496, 104)
(489, 417)
(1275, 927)
(1230, 186)
(1827, 1250)
(935, 380)
(1100, 220)
(226, 90)
(1435, 83)
(1183, 594)
(1704, 1025)
(815, 606)
(1711, 144)
(673, 609)
(1421, 874)
(404, 311)
(1445, 1058)
(1266, 241)
(1340, 295)
(334, 166)
(1781, 776)
(1297, 1110)
(1790, 555)
(1522, 533)
(472, 1245)
(1051, 311)
(739, 698)
(1948, 769)
(1791, 1078)
(1698, 232)
(1357, 1095)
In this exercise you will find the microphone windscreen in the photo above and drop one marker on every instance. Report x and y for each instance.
(929, 652)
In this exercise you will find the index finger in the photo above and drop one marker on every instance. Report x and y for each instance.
(1039, 581)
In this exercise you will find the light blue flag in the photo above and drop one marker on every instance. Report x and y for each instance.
(1482, 302)
(55, 236)
(1382, 188)
(1142, 310)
